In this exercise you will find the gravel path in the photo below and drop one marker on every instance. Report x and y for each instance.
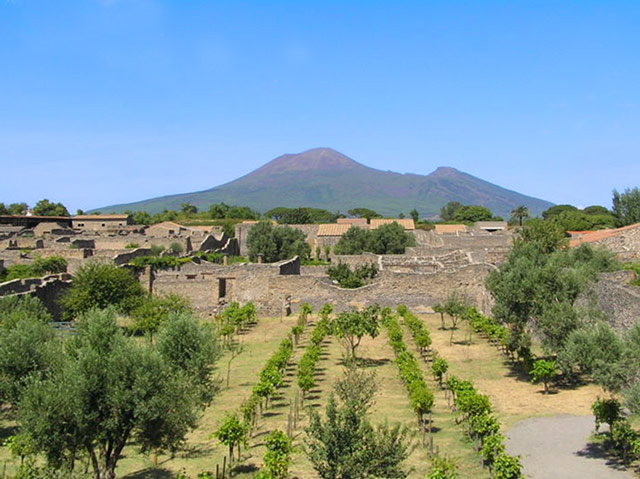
(558, 447)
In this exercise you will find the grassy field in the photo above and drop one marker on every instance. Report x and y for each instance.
(513, 397)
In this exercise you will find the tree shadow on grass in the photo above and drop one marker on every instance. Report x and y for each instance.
(7, 431)
(245, 469)
(193, 451)
(151, 473)
(372, 363)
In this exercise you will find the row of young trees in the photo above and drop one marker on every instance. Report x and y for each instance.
(420, 396)
(309, 360)
(238, 426)
(474, 408)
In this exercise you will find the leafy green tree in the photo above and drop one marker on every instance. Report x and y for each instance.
(543, 370)
(153, 311)
(276, 243)
(233, 433)
(449, 210)
(18, 209)
(439, 368)
(519, 214)
(472, 214)
(443, 468)
(107, 391)
(98, 285)
(455, 306)
(606, 411)
(390, 239)
(354, 241)
(188, 209)
(364, 213)
(352, 326)
(547, 236)
(507, 467)
(277, 457)
(28, 350)
(3, 209)
(15, 308)
(492, 447)
(141, 218)
(415, 216)
(47, 208)
(556, 210)
(242, 213)
(422, 401)
(596, 210)
(348, 278)
(344, 445)
(626, 206)
(218, 211)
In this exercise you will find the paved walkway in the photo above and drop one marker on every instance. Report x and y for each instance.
(558, 447)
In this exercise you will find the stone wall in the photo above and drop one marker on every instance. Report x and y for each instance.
(616, 298)
(626, 244)
(48, 289)
(210, 287)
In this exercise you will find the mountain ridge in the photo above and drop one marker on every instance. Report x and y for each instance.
(326, 178)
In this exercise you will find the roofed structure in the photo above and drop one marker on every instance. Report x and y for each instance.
(406, 223)
(353, 221)
(100, 222)
(450, 229)
(333, 229)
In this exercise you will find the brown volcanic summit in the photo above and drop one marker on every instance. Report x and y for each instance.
(325, 178)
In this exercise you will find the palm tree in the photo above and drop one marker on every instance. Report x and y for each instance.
(520, 213)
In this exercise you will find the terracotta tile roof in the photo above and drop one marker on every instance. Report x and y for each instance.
(600, 235)
(450, 229)
(352, 221)
(167, 225)
(99, 217)
(406, 223)
(333, 229)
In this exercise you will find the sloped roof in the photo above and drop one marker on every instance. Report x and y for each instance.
(333, 229)
(352, 221)
(600, 235)
(169, 225)
(450, 229)
(99, 217)
(406, 223)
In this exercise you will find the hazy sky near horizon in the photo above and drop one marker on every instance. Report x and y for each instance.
(112, 101)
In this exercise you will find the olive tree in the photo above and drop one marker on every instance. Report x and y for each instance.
(107, 391)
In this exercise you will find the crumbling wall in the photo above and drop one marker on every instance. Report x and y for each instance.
(616, 298)
(48, 289)
(626, 244)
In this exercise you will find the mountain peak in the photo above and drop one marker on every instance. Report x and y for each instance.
(444, 172)
(325, 178)
(316, 159)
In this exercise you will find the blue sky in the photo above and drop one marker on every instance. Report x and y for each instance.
(111, 101)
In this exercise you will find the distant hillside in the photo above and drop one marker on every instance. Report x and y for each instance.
(325, 178)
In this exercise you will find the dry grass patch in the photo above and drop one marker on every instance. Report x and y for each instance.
(514, 397)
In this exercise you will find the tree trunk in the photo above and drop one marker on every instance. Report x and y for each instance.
(422, 429)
